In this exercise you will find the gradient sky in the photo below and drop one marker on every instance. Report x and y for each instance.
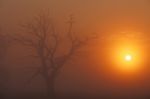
(98, 16)
(91, 14)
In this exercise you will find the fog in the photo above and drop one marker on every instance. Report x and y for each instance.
(82, 75)
(87, 13)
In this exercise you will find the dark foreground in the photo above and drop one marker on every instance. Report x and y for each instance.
(78, 97)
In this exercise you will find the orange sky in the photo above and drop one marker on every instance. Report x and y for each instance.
(98, 16)
(91, 14)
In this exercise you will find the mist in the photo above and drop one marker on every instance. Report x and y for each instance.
(88, 72)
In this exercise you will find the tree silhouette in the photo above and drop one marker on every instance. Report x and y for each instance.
(47, 42)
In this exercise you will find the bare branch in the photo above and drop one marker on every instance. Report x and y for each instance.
(38, 72)
(24, 41)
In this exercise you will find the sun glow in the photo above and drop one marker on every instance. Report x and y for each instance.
(128, 57)
(124, 54)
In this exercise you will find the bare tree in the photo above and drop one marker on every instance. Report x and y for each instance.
(46, 42)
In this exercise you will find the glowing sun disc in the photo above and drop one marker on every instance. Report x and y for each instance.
(128, 57)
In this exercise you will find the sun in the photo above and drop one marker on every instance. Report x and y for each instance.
(128, 57)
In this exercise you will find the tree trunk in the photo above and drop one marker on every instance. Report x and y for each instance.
(50, 85)
(50, 88)
(49, 79)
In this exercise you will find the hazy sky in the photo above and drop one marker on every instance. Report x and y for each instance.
(91, 14)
